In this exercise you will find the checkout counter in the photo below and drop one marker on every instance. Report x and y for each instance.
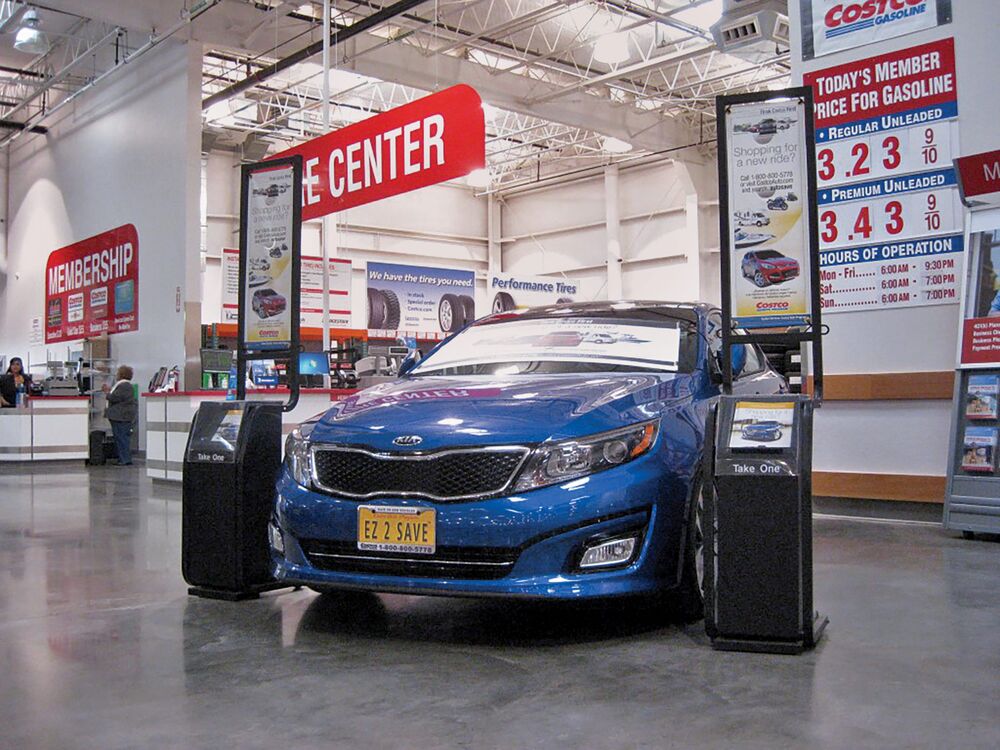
(46, 429)
(169, 416)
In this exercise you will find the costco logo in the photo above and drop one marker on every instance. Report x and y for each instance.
(846, 18)
(771, 306)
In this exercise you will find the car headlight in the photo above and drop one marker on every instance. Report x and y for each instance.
(298, 457)
(552, 463)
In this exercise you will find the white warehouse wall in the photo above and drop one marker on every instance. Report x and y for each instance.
(121, 153)
(665, 208)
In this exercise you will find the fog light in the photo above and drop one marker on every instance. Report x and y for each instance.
(606, 554)
(277, 540)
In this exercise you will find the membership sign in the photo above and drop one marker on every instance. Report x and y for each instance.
(768, 223)
(890, 215)
(92, 286)
(269, 250)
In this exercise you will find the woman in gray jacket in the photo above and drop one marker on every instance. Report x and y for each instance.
(122, 412)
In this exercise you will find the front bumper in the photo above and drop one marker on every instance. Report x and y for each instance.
(537, 537)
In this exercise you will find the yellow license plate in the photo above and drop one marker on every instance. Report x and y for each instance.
(388, 528)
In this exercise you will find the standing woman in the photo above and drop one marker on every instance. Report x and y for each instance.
(122, 412)
(14, 381)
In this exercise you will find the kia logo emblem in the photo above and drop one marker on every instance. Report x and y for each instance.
(408, 440)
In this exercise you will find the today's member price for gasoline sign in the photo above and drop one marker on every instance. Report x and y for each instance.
(890, 216)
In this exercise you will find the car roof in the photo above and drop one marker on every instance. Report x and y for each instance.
(683, 310)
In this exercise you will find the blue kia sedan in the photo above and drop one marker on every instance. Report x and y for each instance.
(525, 456)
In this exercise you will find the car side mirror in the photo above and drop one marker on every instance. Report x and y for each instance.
(738, 357)
(408, 363)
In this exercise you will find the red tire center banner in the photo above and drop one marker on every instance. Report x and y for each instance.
(92, 286)
(436, 138)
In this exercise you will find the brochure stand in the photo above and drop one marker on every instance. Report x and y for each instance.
(230, 466)
(758, 526)
(972, 500)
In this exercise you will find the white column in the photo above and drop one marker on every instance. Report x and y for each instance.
(493, 234)
(613, 231)
(328, 233)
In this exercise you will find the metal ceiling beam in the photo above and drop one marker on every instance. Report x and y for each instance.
(311, 50)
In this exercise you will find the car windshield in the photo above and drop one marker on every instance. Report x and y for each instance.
(769, 254)
(649, 340)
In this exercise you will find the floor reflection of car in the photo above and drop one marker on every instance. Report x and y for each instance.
(267, 302)
(764, 431)
(766, 267)
(549, 474)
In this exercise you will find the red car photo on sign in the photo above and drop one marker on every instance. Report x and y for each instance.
(92, 286)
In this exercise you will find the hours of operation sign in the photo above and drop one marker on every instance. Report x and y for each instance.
(890, 218)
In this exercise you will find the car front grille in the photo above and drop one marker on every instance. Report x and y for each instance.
(468, 563)
(458, 474)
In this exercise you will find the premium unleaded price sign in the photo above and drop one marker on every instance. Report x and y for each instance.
(890, 217)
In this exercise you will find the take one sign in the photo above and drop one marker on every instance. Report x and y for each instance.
(433, 139)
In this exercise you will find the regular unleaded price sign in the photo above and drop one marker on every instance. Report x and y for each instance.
(890, 218)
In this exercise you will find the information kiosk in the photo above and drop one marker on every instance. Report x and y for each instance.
(758, 525)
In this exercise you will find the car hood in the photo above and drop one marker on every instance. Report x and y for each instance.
(781, 262)
(449, 411)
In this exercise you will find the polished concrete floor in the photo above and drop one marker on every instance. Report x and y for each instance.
(101, 648)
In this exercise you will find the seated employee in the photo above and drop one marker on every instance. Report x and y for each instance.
(14, 380)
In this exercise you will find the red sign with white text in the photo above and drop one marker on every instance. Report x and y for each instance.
(979, 174)
(914, 78)
(980, 341)
(92, 286)
(436, 138)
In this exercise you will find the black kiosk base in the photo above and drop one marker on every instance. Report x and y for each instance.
(758, 526)
(230, 467)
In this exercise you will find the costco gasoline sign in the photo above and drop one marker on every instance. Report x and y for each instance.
(835, 25)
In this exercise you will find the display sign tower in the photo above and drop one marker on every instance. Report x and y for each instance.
(972, 500)
(768, 224)
(270, 268)
(758, 457)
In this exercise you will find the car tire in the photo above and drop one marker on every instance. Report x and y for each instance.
(376, 309)
(451, 315)
(759, 280)
(502, 302)
(468, 307)
(688, 601)
(392, 309)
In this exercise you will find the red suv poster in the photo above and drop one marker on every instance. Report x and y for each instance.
(92, 286)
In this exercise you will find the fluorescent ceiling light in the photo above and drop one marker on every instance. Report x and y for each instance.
(478, 178)
(29, 37)
(616, 145)
(612, 49)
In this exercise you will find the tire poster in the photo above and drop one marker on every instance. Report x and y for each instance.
(767, 180)
(419, 298)
(511, 292)
(269, 249)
